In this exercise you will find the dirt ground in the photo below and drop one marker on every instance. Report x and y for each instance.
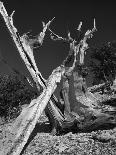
(41, 142)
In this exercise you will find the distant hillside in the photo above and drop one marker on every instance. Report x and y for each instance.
(6, 69)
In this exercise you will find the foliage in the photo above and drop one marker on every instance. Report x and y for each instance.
(103, 63)
(13, 93)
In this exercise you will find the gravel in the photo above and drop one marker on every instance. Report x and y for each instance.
(41, 142)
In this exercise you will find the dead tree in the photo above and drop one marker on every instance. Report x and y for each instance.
(27, 120)
(34, 111)
(25, 48)
(26, 53)
(76, 52)
(86, 98)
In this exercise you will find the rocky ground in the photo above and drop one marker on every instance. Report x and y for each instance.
(41, 142)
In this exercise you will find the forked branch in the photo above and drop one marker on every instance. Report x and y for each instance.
(75, 46)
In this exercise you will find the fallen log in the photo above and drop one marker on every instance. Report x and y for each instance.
(101, 87)
(96, 88)
(99, 122)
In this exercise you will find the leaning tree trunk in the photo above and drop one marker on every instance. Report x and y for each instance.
(33, 113)
(26, 53)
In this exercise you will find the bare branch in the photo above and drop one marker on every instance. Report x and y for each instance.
(94, 24)
(37, 41)
(79, 27)
(81, 47)
(7, 19)
(89, 33)
(56, 37)
(70, 39)
(83, 43)
(42, 34)
(11, 16)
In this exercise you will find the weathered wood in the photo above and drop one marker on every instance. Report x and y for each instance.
(33, 113)
(101, 121)
(93, 119)
(65, 93)
(41, 81)
(26, 53)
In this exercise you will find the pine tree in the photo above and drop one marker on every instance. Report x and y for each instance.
(103, 63)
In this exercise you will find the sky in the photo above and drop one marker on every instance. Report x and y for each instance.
(68, 14)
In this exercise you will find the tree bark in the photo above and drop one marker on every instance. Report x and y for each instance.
(65, 92)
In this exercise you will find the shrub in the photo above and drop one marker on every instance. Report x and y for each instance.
(13, 93)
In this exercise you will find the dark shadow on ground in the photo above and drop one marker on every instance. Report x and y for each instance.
(111, 102)
(101, 127)
(39, 128)
(46, 128)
